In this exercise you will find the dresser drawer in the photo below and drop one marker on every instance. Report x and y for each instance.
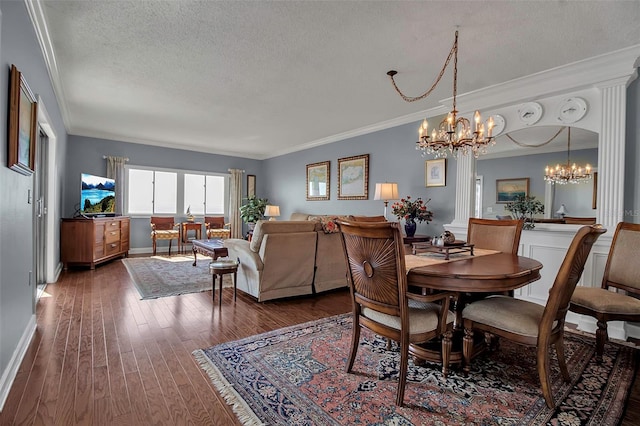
(112, 235)
(112, 248)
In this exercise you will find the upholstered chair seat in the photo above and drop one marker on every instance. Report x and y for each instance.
(423, 317)
(605, 301)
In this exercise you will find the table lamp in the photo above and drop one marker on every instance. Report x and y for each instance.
(386, 191)
(562, 211)
(272, 212)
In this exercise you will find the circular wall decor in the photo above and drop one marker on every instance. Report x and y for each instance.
(572, 110)
(499, 124)
(530, 113)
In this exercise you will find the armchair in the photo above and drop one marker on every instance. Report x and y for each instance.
(164, 228)
(216, 227)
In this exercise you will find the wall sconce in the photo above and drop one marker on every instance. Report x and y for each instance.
(386, 191)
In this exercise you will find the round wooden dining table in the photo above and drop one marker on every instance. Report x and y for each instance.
(491, 273)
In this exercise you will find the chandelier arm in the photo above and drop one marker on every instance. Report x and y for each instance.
(452, 52)
(569, 147)
(524, 145)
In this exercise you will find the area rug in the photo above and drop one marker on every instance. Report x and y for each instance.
(295, 376)
(162, 276)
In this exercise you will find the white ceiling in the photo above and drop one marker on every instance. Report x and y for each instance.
(264, 78)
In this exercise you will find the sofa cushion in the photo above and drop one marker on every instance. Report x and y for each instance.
(299, 216)
(329, 223)
(264, 227)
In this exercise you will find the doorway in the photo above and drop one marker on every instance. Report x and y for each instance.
(40, 213)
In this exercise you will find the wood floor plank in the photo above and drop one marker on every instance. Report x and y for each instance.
(103, 356)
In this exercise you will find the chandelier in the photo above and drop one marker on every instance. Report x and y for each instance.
(567, 173)
(454, 134)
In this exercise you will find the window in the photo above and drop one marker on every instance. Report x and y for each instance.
(151, 191)
(204, 194)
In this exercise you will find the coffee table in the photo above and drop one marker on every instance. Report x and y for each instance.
(212, 248)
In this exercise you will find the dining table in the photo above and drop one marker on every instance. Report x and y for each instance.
(487, 271)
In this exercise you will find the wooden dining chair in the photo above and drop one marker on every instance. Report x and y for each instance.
(528, 323)
(377, 279)
(622, 272)
(216, 227)
(164, 228)
(501, 235)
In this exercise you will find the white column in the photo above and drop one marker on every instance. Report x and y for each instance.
(465, 190)
(610, 203)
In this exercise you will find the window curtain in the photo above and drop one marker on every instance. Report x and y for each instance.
(115, 170)
(235, 200)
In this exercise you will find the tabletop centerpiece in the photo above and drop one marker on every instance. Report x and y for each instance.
(412, 211)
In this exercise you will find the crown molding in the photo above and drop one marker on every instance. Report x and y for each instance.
(34, 8)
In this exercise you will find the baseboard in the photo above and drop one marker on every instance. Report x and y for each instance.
(9, 374)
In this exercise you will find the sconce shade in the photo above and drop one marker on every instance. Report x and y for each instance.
(386, 191)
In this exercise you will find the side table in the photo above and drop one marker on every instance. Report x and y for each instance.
(218, 268)
(185, 227)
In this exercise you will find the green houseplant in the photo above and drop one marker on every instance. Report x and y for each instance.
(524, 207)
(253, 210)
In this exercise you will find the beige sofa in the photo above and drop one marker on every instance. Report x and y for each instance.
(297, 257)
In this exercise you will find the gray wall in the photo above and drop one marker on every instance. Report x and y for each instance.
(19, 46)
(392, 158)
(85, 155)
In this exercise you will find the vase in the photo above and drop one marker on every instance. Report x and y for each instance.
(410, 227)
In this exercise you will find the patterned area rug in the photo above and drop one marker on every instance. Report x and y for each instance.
(295, 376)
(162, 276)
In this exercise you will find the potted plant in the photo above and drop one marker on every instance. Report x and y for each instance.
(412, 211)
(524, 207)
(253, 210)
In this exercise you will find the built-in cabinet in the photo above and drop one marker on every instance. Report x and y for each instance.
(88, 242)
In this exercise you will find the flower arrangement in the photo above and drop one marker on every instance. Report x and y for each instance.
(412, 210)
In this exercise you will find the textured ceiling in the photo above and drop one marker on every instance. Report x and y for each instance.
(259, 79)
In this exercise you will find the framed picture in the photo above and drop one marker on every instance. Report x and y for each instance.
(435, 172)
(353, 178)
(318, 181)
(508, 189)
(23, 115)
(251, 186)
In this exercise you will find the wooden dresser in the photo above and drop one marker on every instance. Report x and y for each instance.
(88, 242)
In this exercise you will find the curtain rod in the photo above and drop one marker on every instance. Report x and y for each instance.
(104, 157)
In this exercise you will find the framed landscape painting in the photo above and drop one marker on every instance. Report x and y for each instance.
(508, 189)
(318, 181)
(353, 178)
(23, 115)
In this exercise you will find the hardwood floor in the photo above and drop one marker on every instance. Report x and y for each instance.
(101, 356)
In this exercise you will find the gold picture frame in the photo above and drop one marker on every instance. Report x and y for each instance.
(23, 117)
(318, 180)
(508, 189)
(353, 178)
(435, 172)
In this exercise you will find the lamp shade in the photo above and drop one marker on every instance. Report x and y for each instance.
(562, 210)
(386, 191)
(272, 210)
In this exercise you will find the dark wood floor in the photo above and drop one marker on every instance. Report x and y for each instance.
(102, 356)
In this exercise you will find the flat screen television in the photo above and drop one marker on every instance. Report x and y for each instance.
(97, 196)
